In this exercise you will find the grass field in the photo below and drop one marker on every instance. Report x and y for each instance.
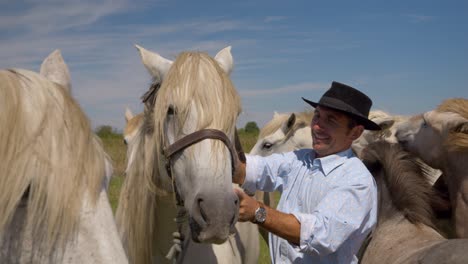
(114, 146)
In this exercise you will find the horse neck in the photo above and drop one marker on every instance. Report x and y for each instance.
(454, 165)
(391, 219)
(397, 240)
(396, 235)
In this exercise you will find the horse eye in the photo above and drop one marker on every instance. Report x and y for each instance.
(125, 141)
(267, 145)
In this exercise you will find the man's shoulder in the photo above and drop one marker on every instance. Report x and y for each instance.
(357, 170)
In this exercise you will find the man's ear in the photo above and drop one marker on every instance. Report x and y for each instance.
(356, 132)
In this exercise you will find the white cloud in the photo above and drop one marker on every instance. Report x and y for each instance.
(41, 17)
(307, 86)
(270, 19)
(418, 18)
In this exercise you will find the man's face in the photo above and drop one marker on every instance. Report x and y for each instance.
(330, 131)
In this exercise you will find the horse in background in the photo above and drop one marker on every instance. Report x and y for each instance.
(284, 133)
(54, 173)
(194, 185)
(440, 138)
(405, 231)
(133, 124)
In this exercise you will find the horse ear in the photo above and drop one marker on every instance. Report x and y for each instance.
(56, 70)
(128, 114)
(156, 65)
(287, 126)
(225, 60)
(384, 122)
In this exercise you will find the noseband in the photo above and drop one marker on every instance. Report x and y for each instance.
(237, 154)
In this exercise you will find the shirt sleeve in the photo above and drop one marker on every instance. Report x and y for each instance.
(267, 173)
(341, 213)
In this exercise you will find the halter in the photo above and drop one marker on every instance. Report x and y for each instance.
(236, 151)
(237, 155)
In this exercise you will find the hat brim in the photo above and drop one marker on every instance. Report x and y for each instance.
(362, 120)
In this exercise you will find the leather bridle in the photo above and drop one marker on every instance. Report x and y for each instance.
(237, 154)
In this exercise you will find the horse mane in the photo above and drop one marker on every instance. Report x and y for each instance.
(457, 139)
(406, 181)
(302, 119)
(194, 80)
(49, 157)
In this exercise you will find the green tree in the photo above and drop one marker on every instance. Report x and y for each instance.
(251, 127)
(105, 131)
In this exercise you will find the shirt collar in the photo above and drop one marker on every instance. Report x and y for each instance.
(330, 162)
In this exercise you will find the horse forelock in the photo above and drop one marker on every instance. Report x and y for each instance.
(47, 146)
(406, 181)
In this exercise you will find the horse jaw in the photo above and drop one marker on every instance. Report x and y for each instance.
(156, 65)
(414, 136)
(56, 70)
(225, 60)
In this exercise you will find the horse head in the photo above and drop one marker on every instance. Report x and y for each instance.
(195, 93)
(445, 127)
(285, 132)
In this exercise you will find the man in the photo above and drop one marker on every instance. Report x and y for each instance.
(329, 199)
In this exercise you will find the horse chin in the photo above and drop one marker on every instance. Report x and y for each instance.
(207, 234)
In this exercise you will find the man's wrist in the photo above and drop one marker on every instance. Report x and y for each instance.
(260, 214)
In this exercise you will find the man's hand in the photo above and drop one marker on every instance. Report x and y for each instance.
(247, 206)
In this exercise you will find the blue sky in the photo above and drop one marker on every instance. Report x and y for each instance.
(408, 56)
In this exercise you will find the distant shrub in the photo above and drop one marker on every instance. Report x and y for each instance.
(106, 131)
(251, 127)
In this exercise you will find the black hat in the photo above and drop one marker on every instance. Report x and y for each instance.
(347, 99)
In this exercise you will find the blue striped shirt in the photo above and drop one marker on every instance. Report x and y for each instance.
(334, 198)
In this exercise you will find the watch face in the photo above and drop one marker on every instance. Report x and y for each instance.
(260, 215)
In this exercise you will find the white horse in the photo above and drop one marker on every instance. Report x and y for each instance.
(405, 230)
(54, 173)
(440, 138)
(193, 185)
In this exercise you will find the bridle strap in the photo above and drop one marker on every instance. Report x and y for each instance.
(237, 155)
(185, 142)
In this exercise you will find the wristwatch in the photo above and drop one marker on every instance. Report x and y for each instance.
(260, 215)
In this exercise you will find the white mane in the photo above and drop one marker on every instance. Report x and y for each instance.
(50, 158)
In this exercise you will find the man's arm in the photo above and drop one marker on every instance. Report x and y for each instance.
(283, 225)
